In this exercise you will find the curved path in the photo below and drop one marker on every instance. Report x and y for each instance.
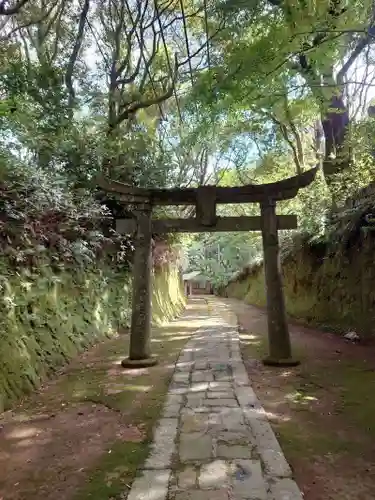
(214, 441)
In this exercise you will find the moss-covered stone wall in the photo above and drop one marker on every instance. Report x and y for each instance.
(328, 287)
(48, 317)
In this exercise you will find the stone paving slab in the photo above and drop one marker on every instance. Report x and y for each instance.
(214, 441)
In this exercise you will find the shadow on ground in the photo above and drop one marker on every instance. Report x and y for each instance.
(322, 412)
(84, 434)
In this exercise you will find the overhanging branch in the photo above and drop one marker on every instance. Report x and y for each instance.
(75, 52)
(133, 108)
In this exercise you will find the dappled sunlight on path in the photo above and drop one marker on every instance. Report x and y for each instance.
(56, 439)
(214, 440)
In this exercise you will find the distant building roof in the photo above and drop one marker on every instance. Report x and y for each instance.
(190, 276)
(195, 276)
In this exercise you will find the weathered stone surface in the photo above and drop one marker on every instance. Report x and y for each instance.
(227, 403)
(241, 438)
(186, 357)
(185, 366)
(220, 394)
(187, 478)
(201, 365)
(181, 377)
(227, 419)
(152, 485)
(257, 412)
(174, 399)
(219, 386)
(233, 451)
(275, 463)
(232, 420)
(240, 379)
(196, 394)
(203, 409)
(194, 422)
(222, 364)
(178, 390)
(248, 481)
(202, 376)
(187, 353)
(285, 489)
(163, 444)
(198, 387)
(214, 475)
(265, 438)
(222, 378)
(202, 495)
(194, 402)
(195, 447)
(171, 411)
(215, 409)
(246, 396)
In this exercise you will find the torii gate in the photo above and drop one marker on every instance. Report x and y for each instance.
(205, 199)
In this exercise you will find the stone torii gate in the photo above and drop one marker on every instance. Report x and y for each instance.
(205, 199)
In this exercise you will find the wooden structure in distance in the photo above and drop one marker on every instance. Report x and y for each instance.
(205, 199)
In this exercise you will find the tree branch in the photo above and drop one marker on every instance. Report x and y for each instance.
(133, 108)
(284, 131)
(296, 135)
(361, 45)
(75, 52)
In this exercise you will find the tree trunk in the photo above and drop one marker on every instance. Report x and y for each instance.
(335, 124)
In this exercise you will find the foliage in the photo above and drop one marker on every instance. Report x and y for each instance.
(48, 316)
(177, 93)
(219, 256)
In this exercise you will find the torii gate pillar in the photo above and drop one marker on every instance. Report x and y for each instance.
(280, 350)
(140, 335)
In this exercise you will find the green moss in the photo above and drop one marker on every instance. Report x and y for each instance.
(351, 382)
(331, 291)
(114, 472)
(354, 383)
(47, 318)
(168, 297)
(349, 386)
(117, 469)
(299, 440)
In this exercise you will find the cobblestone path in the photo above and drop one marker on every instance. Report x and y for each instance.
(214, 441)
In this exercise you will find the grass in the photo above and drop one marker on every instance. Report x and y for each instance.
(350, 382)
(256, 346)
(115, 472)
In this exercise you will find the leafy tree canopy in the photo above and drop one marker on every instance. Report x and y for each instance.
(183, 93)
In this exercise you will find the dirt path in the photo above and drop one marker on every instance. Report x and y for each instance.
(322, 412)
(83, 435)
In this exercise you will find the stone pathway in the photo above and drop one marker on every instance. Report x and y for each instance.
(214, 441)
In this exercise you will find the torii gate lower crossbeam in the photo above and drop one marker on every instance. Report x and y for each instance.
(206, 198)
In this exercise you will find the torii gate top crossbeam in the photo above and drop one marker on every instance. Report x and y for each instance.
(252, 193)
(205, 200)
